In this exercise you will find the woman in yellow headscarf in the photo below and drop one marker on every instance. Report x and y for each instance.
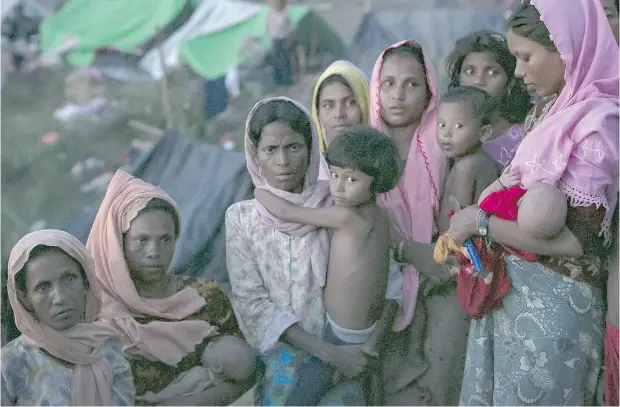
(340, 99)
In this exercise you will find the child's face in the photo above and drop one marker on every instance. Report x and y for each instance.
(350, 187)
(481, 70)
(458, 132)
(404, 96)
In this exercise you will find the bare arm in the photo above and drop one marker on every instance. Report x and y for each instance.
(508, 233)
(299, 338)
(221, 394)
(463, 182)
(420, 255)
(494, 187)
(510, 177)
(335, 217)
(384, 325)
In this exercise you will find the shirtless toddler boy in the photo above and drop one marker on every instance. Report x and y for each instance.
(463, 120)
(363, 163)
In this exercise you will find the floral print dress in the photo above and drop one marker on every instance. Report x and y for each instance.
(30, 377)
(544, 346)
(274, 287)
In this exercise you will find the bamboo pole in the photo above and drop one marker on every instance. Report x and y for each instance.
(165, 94)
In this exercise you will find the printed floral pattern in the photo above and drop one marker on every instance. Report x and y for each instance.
(273, 286)
(544, 346)
(281, 376)
(32, 378)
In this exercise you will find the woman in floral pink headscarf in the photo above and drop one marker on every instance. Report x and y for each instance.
(545, 345)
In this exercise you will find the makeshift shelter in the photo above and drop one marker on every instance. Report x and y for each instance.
(204, 180)
(209, 17)
(123, 25)
(210, 41)
(383, 27)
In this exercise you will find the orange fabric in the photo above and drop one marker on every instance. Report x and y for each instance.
(165, 341)
(80, 345)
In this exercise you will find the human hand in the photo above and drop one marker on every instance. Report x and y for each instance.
(349, 360)
(510, 177)
(463, 224)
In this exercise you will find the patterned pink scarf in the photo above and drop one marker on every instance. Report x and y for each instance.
(414, 203)
(576, 144)
(316, 194)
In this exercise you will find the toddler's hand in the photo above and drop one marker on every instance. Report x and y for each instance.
(510, 177)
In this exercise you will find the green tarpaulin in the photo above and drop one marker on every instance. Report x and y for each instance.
(122, 24)
(212, 55)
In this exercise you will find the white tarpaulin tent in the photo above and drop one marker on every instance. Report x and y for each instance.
(209, 17)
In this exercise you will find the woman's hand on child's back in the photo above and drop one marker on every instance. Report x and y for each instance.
(510, 177)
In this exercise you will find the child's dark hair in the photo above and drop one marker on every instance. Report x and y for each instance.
(37, 251)
(482, 105)
(280, 110)
(409, 49)
(516, 101)
(335, 78)
(368, 150)
(158, 204)
(526, 22)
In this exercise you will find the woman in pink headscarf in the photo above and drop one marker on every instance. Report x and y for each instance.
(165, 321)
(277, 269)
(403, 98)
(545, 345)
(63, 356)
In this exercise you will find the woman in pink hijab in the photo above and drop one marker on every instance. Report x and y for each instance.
(277, 269)
(403, 98)
(165, 321)
(63, 356)
(545, 345)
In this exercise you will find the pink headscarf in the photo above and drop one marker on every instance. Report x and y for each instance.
(414, 203)
(316, 194)
(82, 344)
(576, 144)
(165, 341)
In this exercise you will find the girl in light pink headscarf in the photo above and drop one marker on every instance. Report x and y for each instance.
(403, 100)
(545, 345)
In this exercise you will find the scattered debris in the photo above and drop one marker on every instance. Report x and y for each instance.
(227, 142)
(98, 184)
(71, 110)
(50, 138)
(89, 164)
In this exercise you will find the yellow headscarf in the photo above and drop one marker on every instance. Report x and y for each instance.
(359, 85)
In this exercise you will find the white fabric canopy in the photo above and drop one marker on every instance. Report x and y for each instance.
(209, 17)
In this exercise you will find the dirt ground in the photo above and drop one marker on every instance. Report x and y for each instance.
(37, 184)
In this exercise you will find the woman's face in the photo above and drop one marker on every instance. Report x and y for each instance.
(282, 157)
(612, 16)
(480, 69)
(337, 109)
(55, 290)
(404, 95)
(149, 246)
(542, 70)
